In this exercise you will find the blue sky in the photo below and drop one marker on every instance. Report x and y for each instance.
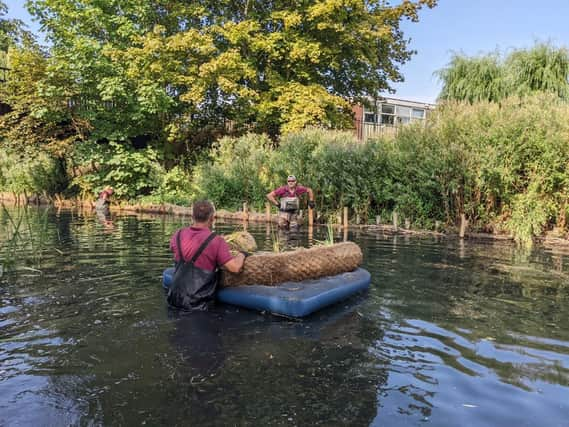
(468, 26)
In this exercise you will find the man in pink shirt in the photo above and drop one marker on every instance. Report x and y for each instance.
(199, 253)
(289, 202)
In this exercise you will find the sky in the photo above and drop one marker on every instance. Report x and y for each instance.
(471, 27)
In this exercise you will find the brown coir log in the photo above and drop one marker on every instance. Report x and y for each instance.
(273, 268)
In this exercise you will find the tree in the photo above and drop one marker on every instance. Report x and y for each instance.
(543, 68)
(171, 67)
(30, 120)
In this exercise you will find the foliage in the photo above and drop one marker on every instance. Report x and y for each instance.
(473, 79)
(148, 68)
(235, 172)
(505, 166)
(130, 172)
(12, 31)
(32, 123)
(26, 173)
(174, 187)
(542, 68)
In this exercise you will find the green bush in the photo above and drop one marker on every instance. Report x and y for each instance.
(31, 173)
(132, 173)
(506, 166)
(235, 171)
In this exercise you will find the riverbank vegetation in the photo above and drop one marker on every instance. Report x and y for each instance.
(224, 108)
(505, 166)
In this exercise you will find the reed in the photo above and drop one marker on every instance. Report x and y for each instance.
(26, 239)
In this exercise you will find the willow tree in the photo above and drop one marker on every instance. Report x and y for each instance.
(473, 79)
(541, 69)
(174, 66)
(492, 77)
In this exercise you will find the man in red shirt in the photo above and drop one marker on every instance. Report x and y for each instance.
(194, 288)
(102, 207)
(289, 202)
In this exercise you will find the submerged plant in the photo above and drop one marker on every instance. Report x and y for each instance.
(277, 244)
(23, 241)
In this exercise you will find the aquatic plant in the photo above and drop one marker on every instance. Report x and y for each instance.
(26, 238)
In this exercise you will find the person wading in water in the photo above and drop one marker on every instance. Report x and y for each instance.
(102, 206)
(199, 254)
(289, 202)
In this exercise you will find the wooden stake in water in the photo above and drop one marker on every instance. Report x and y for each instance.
(345, 218)
(377, 220)
(245, 211)
(463, 226)
(407, 224)
(268, 212)
(395, 221)
(310, 216)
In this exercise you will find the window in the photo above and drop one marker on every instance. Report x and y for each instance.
(403, 112)
(387, 114)
(369, 118)
(418, 113)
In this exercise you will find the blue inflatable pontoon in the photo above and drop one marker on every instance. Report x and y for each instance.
(295, 299)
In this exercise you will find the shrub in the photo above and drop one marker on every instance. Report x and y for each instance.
(31, 173)
(130, 172)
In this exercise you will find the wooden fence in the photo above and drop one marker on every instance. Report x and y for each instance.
(365, 130)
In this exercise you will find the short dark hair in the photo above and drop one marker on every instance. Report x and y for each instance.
(202, 210)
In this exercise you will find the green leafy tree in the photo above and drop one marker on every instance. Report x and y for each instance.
(175, 66)
(12, 30)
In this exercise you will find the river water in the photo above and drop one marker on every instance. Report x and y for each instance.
(449, 334)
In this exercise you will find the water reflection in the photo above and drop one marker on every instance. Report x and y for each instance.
(450, 331)
(197, 339)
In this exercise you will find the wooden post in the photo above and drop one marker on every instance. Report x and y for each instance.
(268, 212)
(463, 226)
(310, 217)
(245, 212)
(345, 218)
(395, 221)
(377, 220)
(407, 224)
(358, 219)
(437, 225)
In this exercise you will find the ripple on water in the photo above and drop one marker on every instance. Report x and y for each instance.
(451, 333)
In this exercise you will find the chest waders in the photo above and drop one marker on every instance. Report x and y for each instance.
(192, 288)
(289, 207)
(290, 204)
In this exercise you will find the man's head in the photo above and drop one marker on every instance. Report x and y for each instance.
(203, 211)
(291, 181)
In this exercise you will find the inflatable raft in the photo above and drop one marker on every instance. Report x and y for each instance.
(294, 299)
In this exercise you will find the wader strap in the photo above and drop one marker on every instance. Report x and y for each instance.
(200, 249)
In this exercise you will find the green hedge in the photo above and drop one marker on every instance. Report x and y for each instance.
(506, 166)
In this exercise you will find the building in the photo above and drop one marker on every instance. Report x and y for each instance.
(388, 116)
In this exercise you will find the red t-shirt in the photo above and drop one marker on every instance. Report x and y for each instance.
(214, 255)
(285, 192)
